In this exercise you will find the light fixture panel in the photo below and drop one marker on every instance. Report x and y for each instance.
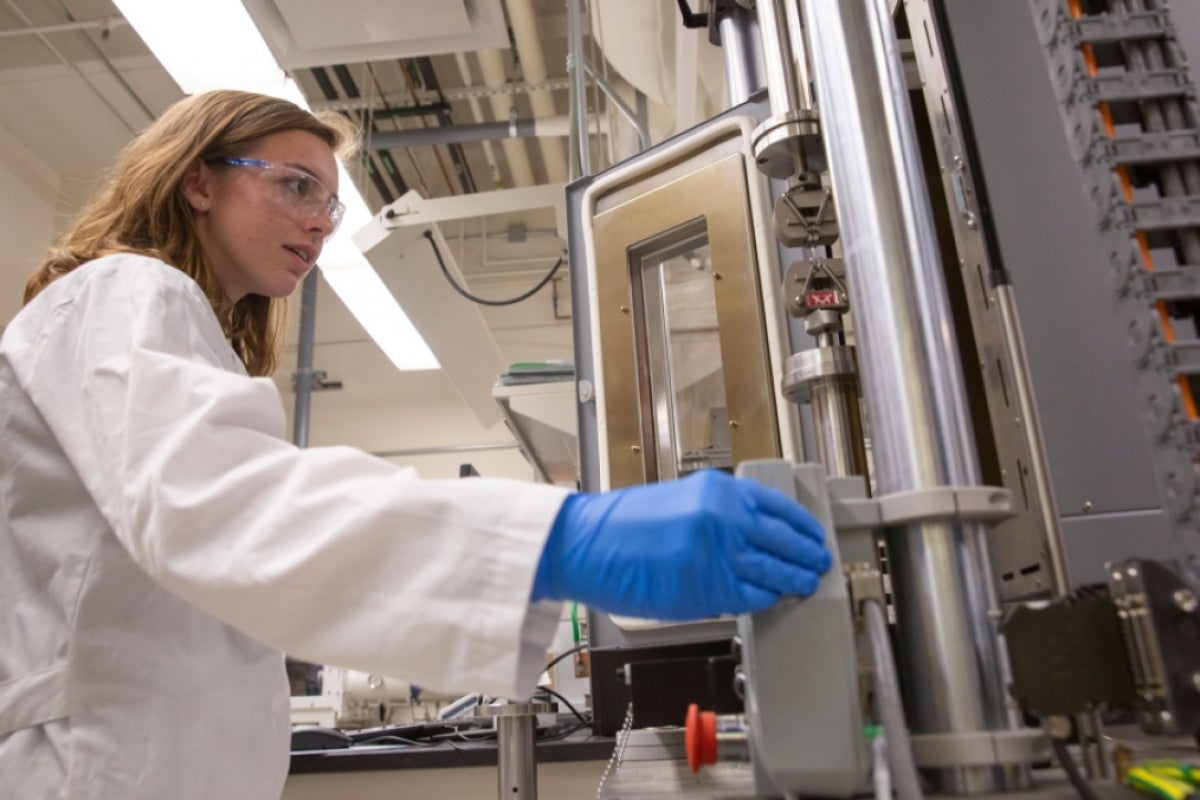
(305, 33)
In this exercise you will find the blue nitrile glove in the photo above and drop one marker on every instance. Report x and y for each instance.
(705, 545)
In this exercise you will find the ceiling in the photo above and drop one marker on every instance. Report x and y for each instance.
(76, 83)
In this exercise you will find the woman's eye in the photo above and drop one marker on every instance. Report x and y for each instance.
(301, 187)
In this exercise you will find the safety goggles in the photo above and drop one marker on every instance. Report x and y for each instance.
(295, 189)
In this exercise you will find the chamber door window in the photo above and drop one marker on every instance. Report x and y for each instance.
(685, 423)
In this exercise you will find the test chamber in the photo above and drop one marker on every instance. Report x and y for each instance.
(1006, 176)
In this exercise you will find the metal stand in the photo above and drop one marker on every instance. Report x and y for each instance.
(516, 753)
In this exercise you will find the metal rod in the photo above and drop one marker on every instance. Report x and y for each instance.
(838, 427)
(741, 49)
(516, 757)
(304, 359)
(581, 159)
(921, 430)
(784, 90)
(638, 125)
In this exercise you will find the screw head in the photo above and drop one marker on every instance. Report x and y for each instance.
(1185, 600)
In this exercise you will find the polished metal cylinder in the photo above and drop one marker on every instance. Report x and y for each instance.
(516, 757)
(825, 377)
(780, 55)
(516, 746)
(838, 427)
(921, 434)
(741, 50)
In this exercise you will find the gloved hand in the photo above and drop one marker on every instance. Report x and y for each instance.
(705, 545)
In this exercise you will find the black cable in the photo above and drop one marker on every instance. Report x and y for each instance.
(692, 19)
(579, 648)
(1081, 785)
(450, 278)
(565, 733)
(566, 703)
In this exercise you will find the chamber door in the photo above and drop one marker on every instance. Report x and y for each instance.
(686, 376)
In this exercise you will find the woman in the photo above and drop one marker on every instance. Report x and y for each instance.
(161, 544)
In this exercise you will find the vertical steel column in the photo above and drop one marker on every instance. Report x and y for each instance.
(742, 53)
(304, 359)
(516, 757)
(785, 65)
(921, 431)
(580, 154)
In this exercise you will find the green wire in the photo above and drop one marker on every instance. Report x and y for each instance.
(1157, 785)
(575, 621)
(1173, 769)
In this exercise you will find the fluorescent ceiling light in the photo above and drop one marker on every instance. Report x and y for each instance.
(213, 44)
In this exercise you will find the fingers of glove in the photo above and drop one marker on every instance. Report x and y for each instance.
(772, 574)
(752, 599)
(781, 540)
(777, 504)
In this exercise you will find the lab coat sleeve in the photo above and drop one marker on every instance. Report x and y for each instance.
(329, 554)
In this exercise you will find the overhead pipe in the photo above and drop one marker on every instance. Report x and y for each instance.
(528, 41)
(543, 127)
(491, 66)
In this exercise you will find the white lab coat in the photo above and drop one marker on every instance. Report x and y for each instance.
(161, 545)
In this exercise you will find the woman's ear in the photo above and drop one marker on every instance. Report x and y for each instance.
(198, 185)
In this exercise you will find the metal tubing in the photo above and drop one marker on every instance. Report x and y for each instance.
(921, 430)
(304, 359)
(580, 153)
(638, 125)
(784, 90)
(516, 757)
(448, 134)
(741, 49)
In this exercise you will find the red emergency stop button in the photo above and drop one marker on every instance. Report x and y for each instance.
(700, 737)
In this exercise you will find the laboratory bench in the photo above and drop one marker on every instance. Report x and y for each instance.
(464, 770)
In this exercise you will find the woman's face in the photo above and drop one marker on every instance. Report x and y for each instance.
(263, 220)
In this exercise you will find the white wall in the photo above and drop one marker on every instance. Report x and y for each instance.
(28, 192)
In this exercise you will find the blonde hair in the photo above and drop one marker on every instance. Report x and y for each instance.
(140, 207)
